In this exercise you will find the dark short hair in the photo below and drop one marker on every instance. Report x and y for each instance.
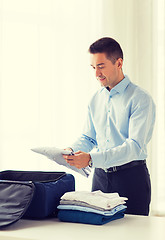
(108, 46)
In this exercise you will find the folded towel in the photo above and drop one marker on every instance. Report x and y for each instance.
(87, 217)
(97, 198)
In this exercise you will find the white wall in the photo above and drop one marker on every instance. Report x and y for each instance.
(46, 81)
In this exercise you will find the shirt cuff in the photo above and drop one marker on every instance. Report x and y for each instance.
(97, 159)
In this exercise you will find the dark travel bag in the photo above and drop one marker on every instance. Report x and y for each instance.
(31, 194)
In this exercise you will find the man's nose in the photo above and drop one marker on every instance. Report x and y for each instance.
(98, 73)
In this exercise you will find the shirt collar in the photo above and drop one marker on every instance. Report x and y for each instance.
(120, 87)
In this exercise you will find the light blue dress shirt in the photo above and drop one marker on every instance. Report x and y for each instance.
(111, 212)
(119, 125)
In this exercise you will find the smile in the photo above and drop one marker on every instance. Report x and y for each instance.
(102, 79)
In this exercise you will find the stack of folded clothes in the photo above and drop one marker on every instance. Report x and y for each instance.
(91, 207)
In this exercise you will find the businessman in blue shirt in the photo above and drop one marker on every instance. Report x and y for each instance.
(119, 126)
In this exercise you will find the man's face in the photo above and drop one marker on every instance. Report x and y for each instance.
(107, 73)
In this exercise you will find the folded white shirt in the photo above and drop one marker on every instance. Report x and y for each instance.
(55, 154)
(96, 198)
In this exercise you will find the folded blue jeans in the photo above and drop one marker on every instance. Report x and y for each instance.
(87, 217)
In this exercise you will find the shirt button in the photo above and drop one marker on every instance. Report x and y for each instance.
(107, 140)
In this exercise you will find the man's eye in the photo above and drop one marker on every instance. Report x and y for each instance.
(101, 67)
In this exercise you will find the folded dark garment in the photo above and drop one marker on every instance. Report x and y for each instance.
(87, 217)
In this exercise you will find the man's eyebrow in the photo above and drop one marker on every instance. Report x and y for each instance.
(99, 64)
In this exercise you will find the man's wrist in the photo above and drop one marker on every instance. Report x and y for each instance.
(90, 161)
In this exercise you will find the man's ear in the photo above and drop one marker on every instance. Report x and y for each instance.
(119, 63)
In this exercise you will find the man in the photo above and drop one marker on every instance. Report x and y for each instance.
(120, 123)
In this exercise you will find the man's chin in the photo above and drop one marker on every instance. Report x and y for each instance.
(103, 84)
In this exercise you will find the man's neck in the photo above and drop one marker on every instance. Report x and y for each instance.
(121, 78)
